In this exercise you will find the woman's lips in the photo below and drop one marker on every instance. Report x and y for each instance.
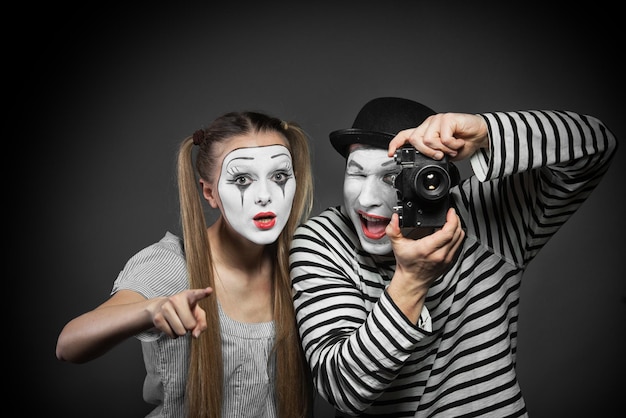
(265, 220)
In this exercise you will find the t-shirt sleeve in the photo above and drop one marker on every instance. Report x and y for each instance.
(157, 270)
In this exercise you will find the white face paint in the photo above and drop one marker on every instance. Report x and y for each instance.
(256, 188)
(369, 196)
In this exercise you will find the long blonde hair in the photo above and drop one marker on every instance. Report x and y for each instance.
(204, 385)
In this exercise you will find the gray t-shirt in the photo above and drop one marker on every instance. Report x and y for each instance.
(249, 364)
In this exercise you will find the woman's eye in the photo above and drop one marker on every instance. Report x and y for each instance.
(242, 180)
(281, 177)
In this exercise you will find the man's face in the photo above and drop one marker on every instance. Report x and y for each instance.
(369, 195)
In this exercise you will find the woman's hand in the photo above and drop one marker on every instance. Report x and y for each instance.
(180, 313)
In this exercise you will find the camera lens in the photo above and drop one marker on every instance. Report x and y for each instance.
(432, 182)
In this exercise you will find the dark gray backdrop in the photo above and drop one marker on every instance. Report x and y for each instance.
(114, 91)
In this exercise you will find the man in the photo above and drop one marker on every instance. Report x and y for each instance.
(405, 327)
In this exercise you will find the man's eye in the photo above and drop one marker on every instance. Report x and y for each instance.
(389, 178)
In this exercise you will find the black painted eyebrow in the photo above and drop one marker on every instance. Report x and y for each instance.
(280, 154)
(359, 166)
(240, 158)
(354, 163)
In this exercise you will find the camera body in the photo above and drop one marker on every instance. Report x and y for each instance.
(423, 186)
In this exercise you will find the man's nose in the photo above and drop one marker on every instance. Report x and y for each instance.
(371, 192)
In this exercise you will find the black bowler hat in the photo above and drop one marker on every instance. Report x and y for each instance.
(379, 121)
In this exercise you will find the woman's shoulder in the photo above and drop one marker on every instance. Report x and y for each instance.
(170, 242)
(156, 270)
(168, 249)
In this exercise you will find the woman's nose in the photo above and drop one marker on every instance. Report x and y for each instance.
(263, 196)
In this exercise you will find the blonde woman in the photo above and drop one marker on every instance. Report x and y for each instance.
(213, 311)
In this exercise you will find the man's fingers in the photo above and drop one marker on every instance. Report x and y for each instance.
(402, 138)
(393, 228)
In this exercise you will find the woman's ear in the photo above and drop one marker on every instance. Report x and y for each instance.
(209, 193)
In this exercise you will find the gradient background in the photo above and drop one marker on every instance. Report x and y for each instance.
(106, 94)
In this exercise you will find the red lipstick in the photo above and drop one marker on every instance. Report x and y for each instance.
(373, 226)
(265, 220)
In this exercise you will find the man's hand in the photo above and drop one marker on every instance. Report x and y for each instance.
(421, 261)
(457, 135)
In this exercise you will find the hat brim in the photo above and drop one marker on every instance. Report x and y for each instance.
(343, 138)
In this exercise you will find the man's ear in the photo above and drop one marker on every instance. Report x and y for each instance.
(209, 193)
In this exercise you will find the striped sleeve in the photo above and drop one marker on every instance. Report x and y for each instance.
(541, 166)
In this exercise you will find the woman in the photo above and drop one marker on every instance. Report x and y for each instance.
(216, 306)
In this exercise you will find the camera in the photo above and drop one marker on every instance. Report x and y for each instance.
(422, 186)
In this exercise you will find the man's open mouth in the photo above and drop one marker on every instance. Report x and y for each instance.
(373, 226)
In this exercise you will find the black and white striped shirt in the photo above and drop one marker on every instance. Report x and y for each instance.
(368, 359)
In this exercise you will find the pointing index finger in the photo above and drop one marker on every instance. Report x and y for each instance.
(194, 295)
